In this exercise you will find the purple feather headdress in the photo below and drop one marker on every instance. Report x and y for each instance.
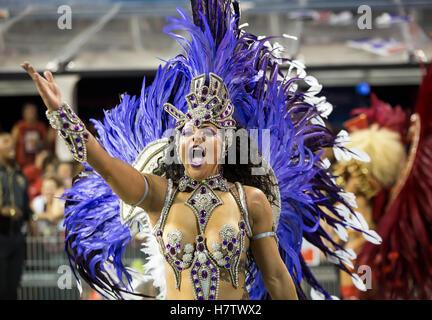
(264, 97)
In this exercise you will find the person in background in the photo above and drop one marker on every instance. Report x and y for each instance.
(34, 173)
(47, 207)
(64, 174)
(28, 135)
(14, 213)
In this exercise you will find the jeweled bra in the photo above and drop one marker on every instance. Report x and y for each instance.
(205, 266)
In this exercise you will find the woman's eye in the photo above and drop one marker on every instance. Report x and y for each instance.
(186, 132)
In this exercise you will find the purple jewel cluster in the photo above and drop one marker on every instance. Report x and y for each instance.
(204, 274)
(71, 129)
(206, 104)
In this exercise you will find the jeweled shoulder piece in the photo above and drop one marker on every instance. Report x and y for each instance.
(205, 104)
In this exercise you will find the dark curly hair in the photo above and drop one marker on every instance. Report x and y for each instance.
(238, 172)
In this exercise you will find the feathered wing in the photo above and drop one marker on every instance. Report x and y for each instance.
(402, 266)
(265, 98)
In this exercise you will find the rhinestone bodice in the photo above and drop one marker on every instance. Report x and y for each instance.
(204, 265)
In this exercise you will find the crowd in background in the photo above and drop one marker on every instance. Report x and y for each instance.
(47, 176)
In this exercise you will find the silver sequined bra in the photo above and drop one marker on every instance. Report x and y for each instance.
(204, 266)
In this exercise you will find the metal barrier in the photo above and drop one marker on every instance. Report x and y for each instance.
(46, 261)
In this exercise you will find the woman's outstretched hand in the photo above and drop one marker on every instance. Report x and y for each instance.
(48, 89)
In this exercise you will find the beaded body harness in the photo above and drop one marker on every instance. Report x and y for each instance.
(204, 265)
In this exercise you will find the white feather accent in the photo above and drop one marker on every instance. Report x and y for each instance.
(326, 163)
(316, 295)
(325, 109)
(372, 237)
(360, 155)
(358, 282)
(343, 211)
(335, 298)
(362, 220)
(79, 286)
(289, 36)
(350, 198)
(318, 121)
(341, 232)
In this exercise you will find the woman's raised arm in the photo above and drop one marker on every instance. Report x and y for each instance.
(124, 180)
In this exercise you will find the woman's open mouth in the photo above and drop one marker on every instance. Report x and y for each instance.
(196, 156)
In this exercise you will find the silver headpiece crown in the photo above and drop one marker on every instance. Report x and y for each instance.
(205, 104)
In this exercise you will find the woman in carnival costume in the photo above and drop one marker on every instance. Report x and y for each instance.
(402, 265)
(161, 167)
(380, 131)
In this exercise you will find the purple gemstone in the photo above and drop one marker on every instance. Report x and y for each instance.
(203, 213)
(213, 278)
(204, 91)
(207, 262)
(194, 183)
(243, 233)
(212, 288)
(211, 182)
(76, 128)
(242, 225)
(202, 221)
(62, 115)
(203, 190)
(85, 135)
(200, 239)
(65, 125)
(189, 116)
(200, 247)
(200, 298)
(177, 262)
(80, 149)
(192, 98)
(167, 258)
(216, 84)
(198, 289)
(213, 200)
(207, 116)
(227, 259)
(62, 132)
(192, 201)
(214, 270)
(73, 117)
(77, 139)
(234, 240)
(159, 233)
(204, 274)
(224, 242)
(230, 246)
(203, 99)
(168, 246)
(197, 123)
(80, 156)
(214, 92)
(172, 251)
(197, 264)
(211, 297)
(180, 268)
(196, 281)
(227, 266)
(194, 272)
(226, 112)
(214, 101)
(178, 246)
(194, 105)
(237, 252)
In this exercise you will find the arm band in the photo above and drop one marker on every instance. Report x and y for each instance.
(145, 193)
(264, 234)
